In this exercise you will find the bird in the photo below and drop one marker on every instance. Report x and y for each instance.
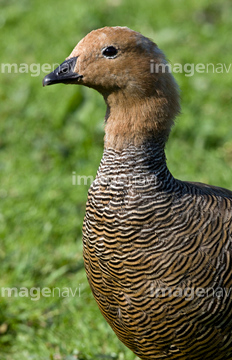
(157, 250)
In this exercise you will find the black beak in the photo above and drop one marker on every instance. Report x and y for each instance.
(63, 74)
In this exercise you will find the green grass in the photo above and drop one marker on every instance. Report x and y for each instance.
(47, 133)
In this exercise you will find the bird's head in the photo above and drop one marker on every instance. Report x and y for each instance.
(129, 70)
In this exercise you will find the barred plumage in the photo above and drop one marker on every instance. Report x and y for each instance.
(157, 250)
(166, 236)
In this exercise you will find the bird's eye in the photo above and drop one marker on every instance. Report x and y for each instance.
(110, 52)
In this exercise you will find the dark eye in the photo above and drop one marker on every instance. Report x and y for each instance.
(110, 52)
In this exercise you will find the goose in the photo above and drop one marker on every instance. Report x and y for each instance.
(157, 250)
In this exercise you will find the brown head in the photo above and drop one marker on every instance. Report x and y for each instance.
(129, 71)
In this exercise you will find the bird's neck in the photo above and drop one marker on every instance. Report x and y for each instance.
(143, 167)
(136, 120)
(135, 136)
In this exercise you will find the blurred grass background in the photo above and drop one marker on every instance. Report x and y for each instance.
(47, 133)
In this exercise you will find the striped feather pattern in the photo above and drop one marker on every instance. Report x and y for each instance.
(150, 241)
